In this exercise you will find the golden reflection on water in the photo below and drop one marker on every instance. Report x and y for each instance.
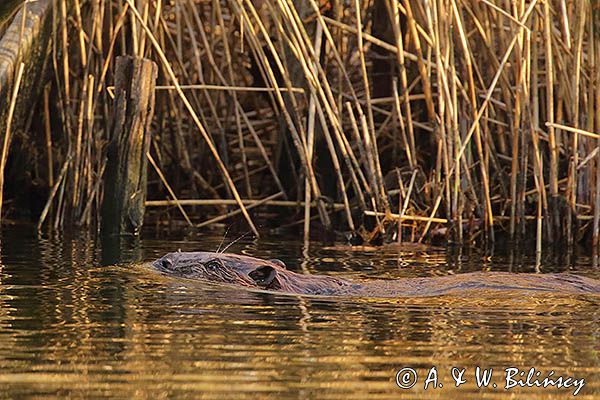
(72, 327)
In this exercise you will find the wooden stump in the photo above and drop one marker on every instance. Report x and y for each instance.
(126, 170)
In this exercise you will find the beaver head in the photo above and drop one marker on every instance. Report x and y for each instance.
(220, 267)
(248, 271)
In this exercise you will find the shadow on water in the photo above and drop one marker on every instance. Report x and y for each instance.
(73, 324)
(120, 249)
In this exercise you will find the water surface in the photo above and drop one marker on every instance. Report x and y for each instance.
(72, 326)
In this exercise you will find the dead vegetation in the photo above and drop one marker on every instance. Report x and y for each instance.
(454, 117)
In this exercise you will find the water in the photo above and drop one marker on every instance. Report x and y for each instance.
(73, 327)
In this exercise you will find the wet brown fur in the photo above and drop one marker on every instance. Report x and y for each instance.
(272, 275)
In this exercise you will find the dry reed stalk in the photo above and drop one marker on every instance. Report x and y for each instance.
(355, 163)
(8, 132)
(65, 54)
(166, 183)
(236, 212)
(365, 137)
(200, 72)
(310, 137)
(228, 202)
(595, 95)
(89, 120)
(538, 242)
(517, 142)
(109, 59)
(550, 116)
(458, 70)
(261, 148)
(370, 38)
(228, 60)
(405, 204)
(86, 214)
(337, 167)
(48, 132)
(573, 165)
(363, 69)
(417, 218)
(575, 130)
(55, 188)
(482, 108)
(489, 214)
(333, 114)
(445, 112)
(410, 144)
(328, 103)
(78, 145)
(422, 69)
(200, 127)
(227, 88)
(81, 36)
(297, 132)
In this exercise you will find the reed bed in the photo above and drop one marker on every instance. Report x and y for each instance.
(402, 120)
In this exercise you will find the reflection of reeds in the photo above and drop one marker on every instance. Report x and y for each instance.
(489, 119)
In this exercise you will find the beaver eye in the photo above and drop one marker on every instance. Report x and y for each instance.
(167, 263)
(213, 265)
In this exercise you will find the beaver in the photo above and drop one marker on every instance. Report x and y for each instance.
(272, 275)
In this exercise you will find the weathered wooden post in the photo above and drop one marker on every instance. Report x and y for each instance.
(125, 178)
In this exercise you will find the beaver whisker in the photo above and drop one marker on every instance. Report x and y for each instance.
(223, 238)
(235, 241)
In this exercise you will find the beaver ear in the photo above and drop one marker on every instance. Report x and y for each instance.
(263, 276)
(278, 262)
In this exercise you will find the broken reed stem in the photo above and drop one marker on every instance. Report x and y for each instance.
(171, 192)
(228, 202)
(574, 130)
(406, 203)
(417, 218)
(236, 212)
(57, 185)
(227, 88)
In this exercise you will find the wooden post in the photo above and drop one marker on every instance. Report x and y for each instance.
(126, 177)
